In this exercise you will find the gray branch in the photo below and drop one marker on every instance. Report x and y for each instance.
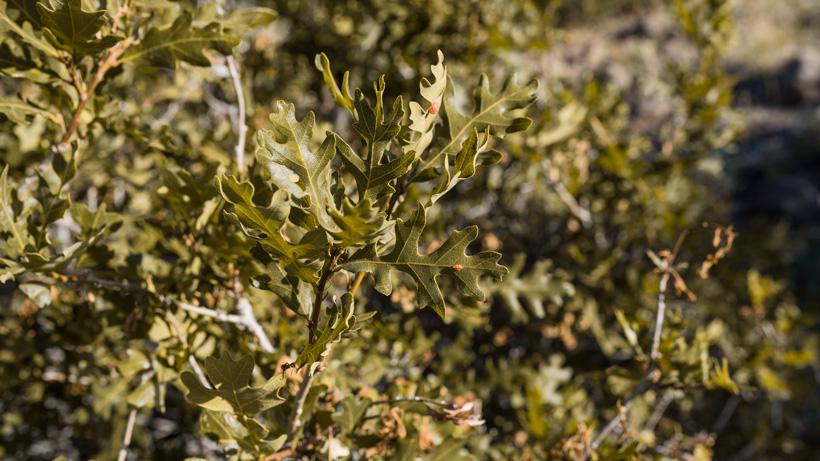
(246, 319)
(241, 125)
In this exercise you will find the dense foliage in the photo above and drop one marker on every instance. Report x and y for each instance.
(273, 230)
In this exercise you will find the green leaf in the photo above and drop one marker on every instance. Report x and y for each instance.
(9, 60)
(224, 426)
(296, 294)
(407, 449)
(9, 270)
(246, 19)
(40, 294)
(181, 42)
(378, 129)
(27, 10)
(285, 151)
(264, 224)
(143, 394)
(447, 450)
(374, 125)
(20, 112)
(372, 180)
(570, 119)
(422, 120)
(463, 168)
(230, 391)
(228, 429)
(9, 224)
(343, 320)
(371, 171)
(492, 110)
(73, 30)
(721, 378)
(340, 95)
(93, 222)
(352, 411)
(535, 288)
(26, 32)
(450, 259)
(357, 223)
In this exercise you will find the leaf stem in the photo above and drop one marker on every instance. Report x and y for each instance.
(394, 198)
(327, 272)
(357, 282)
(295, 420)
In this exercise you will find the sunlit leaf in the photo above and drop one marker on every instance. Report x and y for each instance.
(450, 260)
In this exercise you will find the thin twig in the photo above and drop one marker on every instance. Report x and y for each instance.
(241, 126)
(248, 319)
(645, 384)
(327, 271)
(667, 269)
(245, 319)
(415, 399)
(295, 420)
(656, 340)
(198, 371)
(107, 63)
(611, 425)
(648, 381)
(129, 432)
(725, 415)
(572, 204)
(357, 283)
(660, 409)
(652, 374)
(213, 313)
(183, 338)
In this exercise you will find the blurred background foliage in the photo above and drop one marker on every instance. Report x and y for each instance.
(692, 122)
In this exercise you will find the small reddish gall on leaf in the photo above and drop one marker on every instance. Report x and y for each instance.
(457, 267)
(434, 108)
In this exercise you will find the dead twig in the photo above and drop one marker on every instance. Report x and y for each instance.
(129, 432)
(241, 125)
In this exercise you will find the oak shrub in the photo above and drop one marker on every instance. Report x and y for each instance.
(174, 288)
